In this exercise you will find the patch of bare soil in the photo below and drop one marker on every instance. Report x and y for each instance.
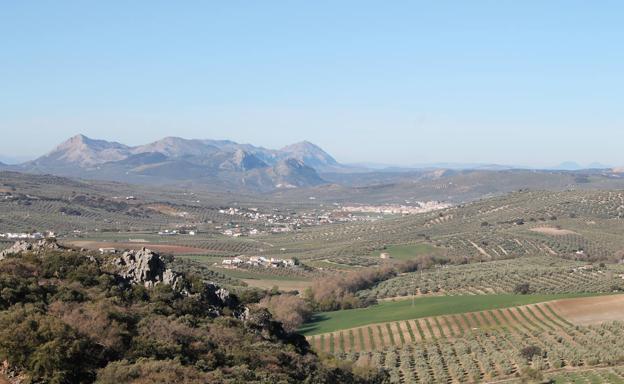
(167, 210)
(553, 231)
(590, 310)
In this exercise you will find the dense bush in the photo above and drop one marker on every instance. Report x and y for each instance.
(65, 318)
(522, 289)
(291, 310)
(338, 291)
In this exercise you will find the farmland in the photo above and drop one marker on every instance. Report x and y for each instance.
(489, 355)
(421, 307)
(484, 345)
(544, 274)
(488, 281)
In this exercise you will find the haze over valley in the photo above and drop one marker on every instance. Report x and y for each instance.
(311, 192)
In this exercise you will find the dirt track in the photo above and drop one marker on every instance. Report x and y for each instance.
(590, 310)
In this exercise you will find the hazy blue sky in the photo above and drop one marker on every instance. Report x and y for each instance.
(530, 82)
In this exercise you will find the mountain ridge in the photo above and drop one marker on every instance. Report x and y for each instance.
(175, 159)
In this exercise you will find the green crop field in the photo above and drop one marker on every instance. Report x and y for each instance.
(420, 307)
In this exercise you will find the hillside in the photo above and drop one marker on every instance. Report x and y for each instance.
(69, 317)
(456, 186)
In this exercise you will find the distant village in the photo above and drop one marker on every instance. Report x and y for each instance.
(257, 261)
(276, 222)
(396, 209)
(27, 236)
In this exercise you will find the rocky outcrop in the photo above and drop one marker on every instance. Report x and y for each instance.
(37, 247)
(11, 375)
(147, 268)
(217, 296)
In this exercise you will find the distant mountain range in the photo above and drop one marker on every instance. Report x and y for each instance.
(574, 166)
(221, 163)
(4, 160)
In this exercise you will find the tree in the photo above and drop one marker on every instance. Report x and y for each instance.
(530, 351)
(522, 289)
(291, 310)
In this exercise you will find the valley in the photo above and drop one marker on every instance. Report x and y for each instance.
(311, 192)
(457, 292)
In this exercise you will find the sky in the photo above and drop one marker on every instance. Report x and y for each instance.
(403, 82)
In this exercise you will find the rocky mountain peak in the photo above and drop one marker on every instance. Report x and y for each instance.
(242, 160)
(310, 154)
(84, 152)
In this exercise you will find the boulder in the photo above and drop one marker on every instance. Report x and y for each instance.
(23, 246)
(217, 296)
(147, 268)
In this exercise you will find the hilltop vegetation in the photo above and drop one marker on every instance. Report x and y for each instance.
(68, 317)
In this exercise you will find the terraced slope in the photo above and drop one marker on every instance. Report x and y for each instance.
(399, 333)
(492, 355)
(544, 274)
(584, 225)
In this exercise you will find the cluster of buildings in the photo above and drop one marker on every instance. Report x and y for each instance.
(278, 222)
(398, 209)
(282, 222)
(257, 261)
(175, 232)
(25, 236)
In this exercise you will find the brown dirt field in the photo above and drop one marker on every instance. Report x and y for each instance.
(450, 321)
(357, 340)
(316, 342)
(445, 331)
(461, 323)
(377, 337)
(164, 248)
(516, 311)
(425, 330)
(552, 318)
(501, 319)
(412, 325)
(509, 319)
(489, 318)
(590, 310)
(365, 344)
(539, 325)
(537, 316)
(472, 321)
(447, 326)
(387, 342)
(405, 330)
(486, 322)
(348, 336)
(168, 210)
(363, 360)
(332, 338)
(553, 231)
(434, 327)
(451, 326)
(285, 285)
(344, 335)
(397, 334)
